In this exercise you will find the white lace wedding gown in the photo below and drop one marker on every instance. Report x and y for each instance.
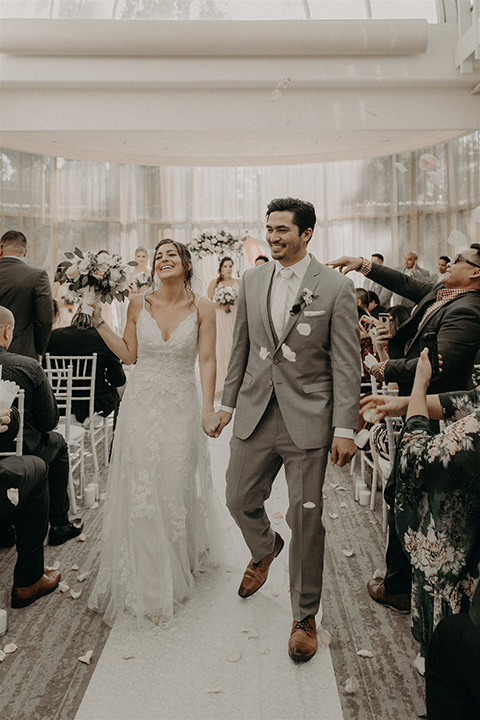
(162, 520)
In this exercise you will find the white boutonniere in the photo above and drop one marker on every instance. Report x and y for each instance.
(306, 298)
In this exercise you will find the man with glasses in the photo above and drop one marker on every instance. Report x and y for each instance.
(451, 310)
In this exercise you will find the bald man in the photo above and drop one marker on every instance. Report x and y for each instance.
(39, 438)
(412, 269)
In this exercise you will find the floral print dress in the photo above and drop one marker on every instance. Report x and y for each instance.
(437, 510)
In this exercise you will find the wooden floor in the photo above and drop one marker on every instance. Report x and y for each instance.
(43, 679)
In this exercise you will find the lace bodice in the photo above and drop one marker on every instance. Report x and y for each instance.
(178, 354)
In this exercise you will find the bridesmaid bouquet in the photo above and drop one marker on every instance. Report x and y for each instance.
(140, 281)
(95, 277)
(225, 297)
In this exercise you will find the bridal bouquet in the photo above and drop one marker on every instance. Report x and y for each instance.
(225, 297)
(95, 277)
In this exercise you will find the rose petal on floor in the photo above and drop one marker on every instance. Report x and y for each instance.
(86, 658)
(234, 657)
(365, 653)
(10, 648)
(325, 636)
(351, 686)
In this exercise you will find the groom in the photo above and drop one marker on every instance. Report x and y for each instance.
(294, 379)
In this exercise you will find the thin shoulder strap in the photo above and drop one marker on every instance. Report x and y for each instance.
(199, 297)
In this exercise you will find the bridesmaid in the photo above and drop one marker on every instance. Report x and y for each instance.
(223, 290)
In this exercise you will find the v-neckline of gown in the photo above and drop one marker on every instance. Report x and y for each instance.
(173, 331)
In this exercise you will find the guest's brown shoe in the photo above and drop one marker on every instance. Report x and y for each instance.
(21, 597)
(256, 573)
(377, 591)
(303, 641)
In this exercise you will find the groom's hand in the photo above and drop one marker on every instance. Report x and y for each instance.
(343, 449)
(224, 418)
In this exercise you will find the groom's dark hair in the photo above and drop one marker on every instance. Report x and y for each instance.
(303, 212)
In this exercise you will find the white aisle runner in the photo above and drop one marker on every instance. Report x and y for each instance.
(219, 642)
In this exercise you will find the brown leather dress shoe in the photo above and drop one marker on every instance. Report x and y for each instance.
(21, 597)
(256, 573)
(303, 641)
(377, 591)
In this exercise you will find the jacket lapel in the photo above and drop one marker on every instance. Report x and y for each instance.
(265, 283)
(310, 282)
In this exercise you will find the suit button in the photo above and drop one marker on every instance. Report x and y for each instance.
(275, 362)
(270, 382)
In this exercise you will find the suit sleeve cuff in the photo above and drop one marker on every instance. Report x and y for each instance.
(225, 408)
(344, 433)
(365, 267)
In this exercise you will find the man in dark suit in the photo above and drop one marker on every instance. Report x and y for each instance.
(24, 504)
(451, 310)
(74, 341)
(27, 293)
(41, 417)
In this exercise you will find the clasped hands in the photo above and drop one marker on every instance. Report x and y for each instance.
(4, 419)
(214, 422)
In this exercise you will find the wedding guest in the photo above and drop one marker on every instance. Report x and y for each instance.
(26, 292)
(411, 268)
(436, 497)
(294, 379)
(362, 301)
(139, 272)
(24, 506)
(223, 290)
(384, 295)
(452, 312)
(39, 438)
(453, 666)
(160, 522)
(109, 375)
(443, 261)
(261, 260)
(374, 307)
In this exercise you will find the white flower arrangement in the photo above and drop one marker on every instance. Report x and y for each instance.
(306, 298)
(216, 242)
(141, 280)
(95, 277)
(225, 297)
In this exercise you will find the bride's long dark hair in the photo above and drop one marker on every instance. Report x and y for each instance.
(186, 259)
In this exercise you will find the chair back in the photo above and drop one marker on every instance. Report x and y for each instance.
(84, 369)
(61, 380)
(18, 442)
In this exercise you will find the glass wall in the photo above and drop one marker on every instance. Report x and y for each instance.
(389, 204)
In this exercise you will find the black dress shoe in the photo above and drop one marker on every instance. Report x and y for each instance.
(7, 536)
(61, 533)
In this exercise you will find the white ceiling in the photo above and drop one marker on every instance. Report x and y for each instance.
(393, 87)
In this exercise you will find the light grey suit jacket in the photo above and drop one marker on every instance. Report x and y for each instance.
(314, 367)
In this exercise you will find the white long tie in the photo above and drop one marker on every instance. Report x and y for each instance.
(278, 309)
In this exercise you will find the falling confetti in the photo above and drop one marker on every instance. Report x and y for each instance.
(365, 653)
(325, 636)
(351, 686)
(264, 353)
(435, 177)
(12, 494)
(288, 353)
(86, 658)
(401, 167)
(427, 161)
(234, 657)
(304, 329)
(282, 85)
(214, 689)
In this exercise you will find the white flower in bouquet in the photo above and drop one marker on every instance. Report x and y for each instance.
(141, 280)
(225, 297)
(95, 277)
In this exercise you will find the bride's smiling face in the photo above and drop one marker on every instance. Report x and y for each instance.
(168, 263)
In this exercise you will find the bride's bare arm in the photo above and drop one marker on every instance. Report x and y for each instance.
(207, 361)
(125, 348)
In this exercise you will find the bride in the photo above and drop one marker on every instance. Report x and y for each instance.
(160, 524)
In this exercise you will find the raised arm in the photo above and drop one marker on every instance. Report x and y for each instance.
(125, 348)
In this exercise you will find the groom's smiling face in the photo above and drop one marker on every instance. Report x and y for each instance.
(286, 243)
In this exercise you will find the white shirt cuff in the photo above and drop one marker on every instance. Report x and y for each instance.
(225, 408)
(344, 432)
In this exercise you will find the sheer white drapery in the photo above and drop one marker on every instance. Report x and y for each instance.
(389, 204)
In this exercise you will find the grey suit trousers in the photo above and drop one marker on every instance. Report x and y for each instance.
(254, 464)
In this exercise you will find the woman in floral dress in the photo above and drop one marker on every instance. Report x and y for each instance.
(437, 504)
